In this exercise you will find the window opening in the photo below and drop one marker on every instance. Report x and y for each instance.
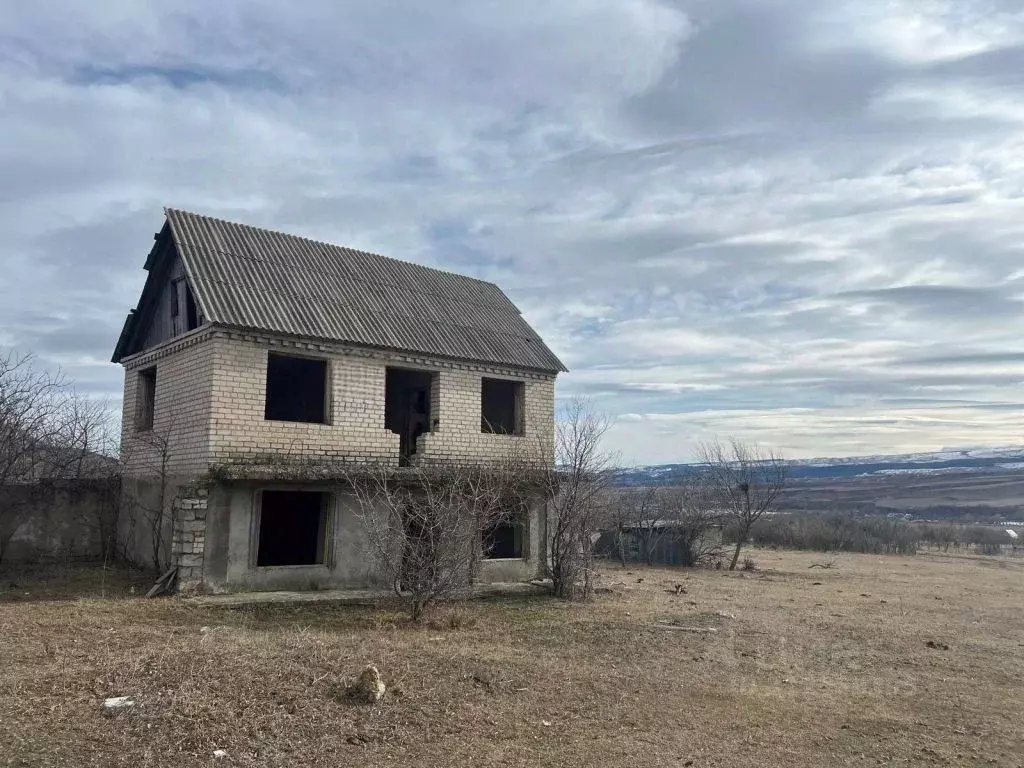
(407, 407)
(296, 389)
(293, 528)
(501, 406)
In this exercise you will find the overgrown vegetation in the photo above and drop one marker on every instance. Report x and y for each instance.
(427, 526)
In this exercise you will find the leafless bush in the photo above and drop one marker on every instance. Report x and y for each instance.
(637, 517)
(745, 481)
(576, 490)
(426, 526)
(696, 520)
(749, 564)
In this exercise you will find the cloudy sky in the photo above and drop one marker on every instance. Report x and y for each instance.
(791, 221)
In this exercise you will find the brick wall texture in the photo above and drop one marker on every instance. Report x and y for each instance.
(210, 397)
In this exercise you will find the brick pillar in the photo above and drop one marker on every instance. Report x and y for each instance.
(188, 544)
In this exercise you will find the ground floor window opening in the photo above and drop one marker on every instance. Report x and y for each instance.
(504, 540)
(293, 528)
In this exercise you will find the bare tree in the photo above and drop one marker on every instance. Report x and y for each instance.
(427, 526)
(576, 491)
(91, 443)
(745, 481)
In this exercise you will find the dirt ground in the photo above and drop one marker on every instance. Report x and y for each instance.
(874, 661)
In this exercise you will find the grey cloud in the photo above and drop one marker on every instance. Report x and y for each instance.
(1003, 66)
(941, 301)
(708, 209)
(743, 71)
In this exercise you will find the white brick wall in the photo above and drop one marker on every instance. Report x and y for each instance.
(210, 397)
(458, 435)
(182, 408)
(356, 403)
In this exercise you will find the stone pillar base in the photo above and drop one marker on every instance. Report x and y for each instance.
(188, 542)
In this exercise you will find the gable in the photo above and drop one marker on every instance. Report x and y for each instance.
(168, 306)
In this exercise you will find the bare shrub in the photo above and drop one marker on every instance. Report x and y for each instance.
(153, 456)
(426, 526)
(576, 488)
(837, 532)
(745, 481)
(696, 520)
(749, 564)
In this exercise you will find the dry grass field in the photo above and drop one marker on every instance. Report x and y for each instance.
(807, 667)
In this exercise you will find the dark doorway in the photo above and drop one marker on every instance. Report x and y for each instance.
(501, 406)
(407, 407)
(293, 528)
(296, 389)
(504, 540)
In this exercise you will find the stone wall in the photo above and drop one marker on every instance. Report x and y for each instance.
(188, 541)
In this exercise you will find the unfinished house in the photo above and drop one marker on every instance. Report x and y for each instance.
(252, 352)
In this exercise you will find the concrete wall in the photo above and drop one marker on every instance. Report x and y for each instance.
(65, 520)
(144, 505)
(231, 530)
(230, 551)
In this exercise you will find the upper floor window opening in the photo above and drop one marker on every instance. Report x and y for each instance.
(296, 389)
(501, 406)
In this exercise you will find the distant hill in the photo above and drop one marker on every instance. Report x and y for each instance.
(969, 460)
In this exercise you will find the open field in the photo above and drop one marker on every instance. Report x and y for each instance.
(807, 667)
(969, 493)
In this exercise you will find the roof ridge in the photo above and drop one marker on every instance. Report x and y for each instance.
(168, 209)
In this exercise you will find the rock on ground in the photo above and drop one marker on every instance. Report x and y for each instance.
(116, 704)
(370, 687)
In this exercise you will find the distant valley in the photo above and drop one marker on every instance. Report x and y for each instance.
(973, 484)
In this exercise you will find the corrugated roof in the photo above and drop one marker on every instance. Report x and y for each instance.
(255, 278)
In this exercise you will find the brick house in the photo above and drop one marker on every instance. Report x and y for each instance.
(253, 351)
